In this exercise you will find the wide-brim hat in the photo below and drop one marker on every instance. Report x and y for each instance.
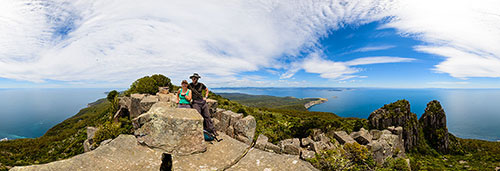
(195, 75)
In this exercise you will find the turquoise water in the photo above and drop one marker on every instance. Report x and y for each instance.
(471, 113)
(29, 113)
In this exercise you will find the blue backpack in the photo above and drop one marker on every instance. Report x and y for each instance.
(209, 136)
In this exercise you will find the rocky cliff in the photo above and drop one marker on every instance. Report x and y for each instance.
(397, 114)
(433, 123)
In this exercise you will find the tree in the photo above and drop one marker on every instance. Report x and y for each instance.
(112, 95)
(143, 85)
(161, 80)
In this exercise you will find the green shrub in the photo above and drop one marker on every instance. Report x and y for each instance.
(396, 164)
(110, 130)
(144, 85)
(111, 95)
(162, 81)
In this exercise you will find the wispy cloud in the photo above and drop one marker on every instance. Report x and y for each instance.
(120, 40)
(373, 48)
(315, 63)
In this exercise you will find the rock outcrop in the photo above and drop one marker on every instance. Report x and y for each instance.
(342, 137)
(235, 125)
(433, 122)
(88, 144)
(122, 153)
(397, 114)
(387, 144)
(175, 130)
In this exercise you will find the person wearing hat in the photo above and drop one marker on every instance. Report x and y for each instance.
(184, 95)
(200, 103)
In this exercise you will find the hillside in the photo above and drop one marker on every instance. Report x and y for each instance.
(264, 101)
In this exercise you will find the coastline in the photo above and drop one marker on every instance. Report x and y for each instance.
(316, 102)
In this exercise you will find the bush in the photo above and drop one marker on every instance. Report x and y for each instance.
(149, 85)
(111, 95)
(144, 85)
(162, 81)
(110, 130)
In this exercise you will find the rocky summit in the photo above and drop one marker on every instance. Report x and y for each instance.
(433, 122)
(167, 138)
(397, 114)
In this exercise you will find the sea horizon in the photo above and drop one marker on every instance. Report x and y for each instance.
(330, 106)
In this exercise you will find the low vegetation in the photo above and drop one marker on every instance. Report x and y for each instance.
(264, 101)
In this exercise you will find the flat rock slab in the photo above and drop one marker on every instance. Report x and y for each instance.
(122, 153)
(261, 160)
(218, 155)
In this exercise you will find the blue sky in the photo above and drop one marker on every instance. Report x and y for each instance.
(365, 43)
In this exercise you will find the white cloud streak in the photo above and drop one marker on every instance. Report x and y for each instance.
(120, 40)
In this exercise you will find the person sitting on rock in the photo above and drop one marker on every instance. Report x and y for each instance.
(200, 103)
(184, 95)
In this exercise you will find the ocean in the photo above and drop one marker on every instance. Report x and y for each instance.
(470, 113)
(29, 113)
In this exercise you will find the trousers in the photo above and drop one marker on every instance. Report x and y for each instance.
(202, 108)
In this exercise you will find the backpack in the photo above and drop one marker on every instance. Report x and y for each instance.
(209, 136)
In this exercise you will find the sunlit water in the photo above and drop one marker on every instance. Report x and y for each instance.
(29, 113)
(471, 113)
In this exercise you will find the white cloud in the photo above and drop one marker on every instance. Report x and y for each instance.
(120, 40)
(466, 33)
(344, 70)
(373, 48)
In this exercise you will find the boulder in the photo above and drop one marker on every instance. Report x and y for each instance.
(167, 97)
(163, 90)
(245, 128)
(306, 154)
(225, 117)
(290, 146)
(388, 145)
(147, 102)
(375, 134)
(433, 122)
(122, 153)
(342, 137)
(397, 114)
(363, 137)
(261, 160)
(212, 106)
(263, 144)
(235, 117)
(305, 142)
(175, 130)
(135, 105)
(217, 113)
(230, 131)
(88, 144)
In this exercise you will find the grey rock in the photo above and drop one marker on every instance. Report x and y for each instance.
(262, 160)
(175, 130)
(245, 128)
(147, 102)
(315, 134)
(342, 137)
(397, 114)
(363, 137)
(135, 105)
(230, 131)
(122, 153)
(375, 134)
(306, 154)
(290, 146)
(305, 142)
(387, 145)
(263, 144)
(212, 106)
